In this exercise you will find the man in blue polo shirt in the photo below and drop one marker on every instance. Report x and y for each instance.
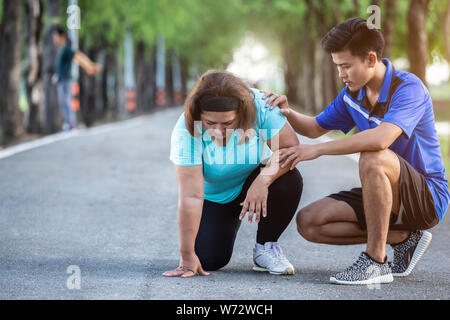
(404, 189)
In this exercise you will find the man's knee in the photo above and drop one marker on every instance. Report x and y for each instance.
(371, 161)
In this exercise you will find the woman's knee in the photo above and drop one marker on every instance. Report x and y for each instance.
(289, 184)
(211, 263)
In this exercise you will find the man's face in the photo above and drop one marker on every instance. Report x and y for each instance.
(352, 70)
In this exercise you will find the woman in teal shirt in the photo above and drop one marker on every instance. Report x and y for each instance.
(218, 145)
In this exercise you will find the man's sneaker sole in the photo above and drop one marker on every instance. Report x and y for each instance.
(288, 271)
(377, 280)
(422, 246)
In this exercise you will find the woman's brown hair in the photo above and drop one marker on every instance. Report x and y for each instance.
(218, 83)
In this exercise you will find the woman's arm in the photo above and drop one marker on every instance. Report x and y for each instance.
(190, 206)
(286, 138)
(256, 199)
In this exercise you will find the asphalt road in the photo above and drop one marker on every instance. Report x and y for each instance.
(105, 202)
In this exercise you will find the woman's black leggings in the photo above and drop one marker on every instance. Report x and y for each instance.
(220, 222)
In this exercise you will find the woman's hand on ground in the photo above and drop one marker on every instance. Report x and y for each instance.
(277, 100)
(189, 266)
(293, 155)
(256, 201)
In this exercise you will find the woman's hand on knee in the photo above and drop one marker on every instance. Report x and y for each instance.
(255, 202)
(189, 266)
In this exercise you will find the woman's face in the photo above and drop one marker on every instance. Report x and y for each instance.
(217, 123)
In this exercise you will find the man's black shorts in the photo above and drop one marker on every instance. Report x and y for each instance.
(417, 211)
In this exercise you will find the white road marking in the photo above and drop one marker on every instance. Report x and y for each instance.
(26, 146)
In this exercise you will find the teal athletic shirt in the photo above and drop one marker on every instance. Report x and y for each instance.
(225, 169)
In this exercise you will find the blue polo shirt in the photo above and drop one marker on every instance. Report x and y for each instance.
(405, 102)
(225, 168)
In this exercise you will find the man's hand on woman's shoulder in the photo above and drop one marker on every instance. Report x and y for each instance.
(275, 100)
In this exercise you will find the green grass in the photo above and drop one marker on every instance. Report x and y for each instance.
(445, 149)
(441, 92)
(442, 113)
(441, 101)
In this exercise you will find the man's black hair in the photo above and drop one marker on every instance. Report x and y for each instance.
(355, 36)
(59, 30)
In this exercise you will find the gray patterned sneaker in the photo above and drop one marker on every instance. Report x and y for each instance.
(365, 271)
(409, 252)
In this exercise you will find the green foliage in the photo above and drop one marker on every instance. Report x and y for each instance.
(445, 151)
(435, 27)
(205, 32)
(202, 30)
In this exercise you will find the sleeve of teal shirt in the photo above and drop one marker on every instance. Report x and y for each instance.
(185, 150)
(270, 121)
(407, 107)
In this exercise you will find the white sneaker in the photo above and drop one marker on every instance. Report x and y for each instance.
(269, 257)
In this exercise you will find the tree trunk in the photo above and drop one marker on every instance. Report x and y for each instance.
(388, 27)
(149, 94)
(88, 94)
(309, 65)
(447, 31)
(184, 76)
(356, 8)
(417, 38)
(10, 44)
(145, 79)
(98, 80)
(33, 72)
(292, 69)
(104, 87)
(51, 104)
(328, 71)
(169, 80)
(150, 88)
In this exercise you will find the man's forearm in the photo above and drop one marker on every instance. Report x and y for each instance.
(360, 142)
(303, 124)
(189, 216)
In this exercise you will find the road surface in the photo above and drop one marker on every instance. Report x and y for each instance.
(103, 202)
